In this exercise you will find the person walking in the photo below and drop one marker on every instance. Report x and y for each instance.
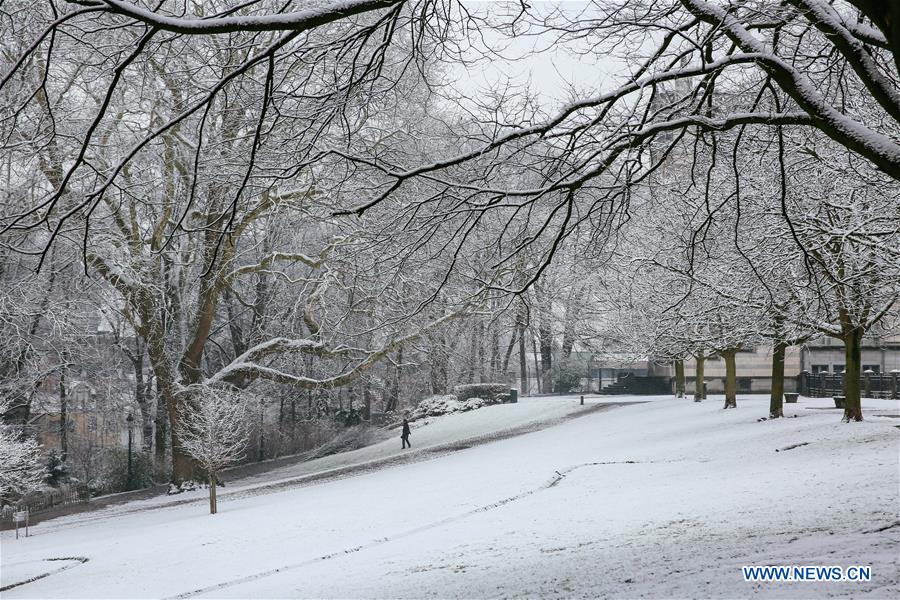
(404, 435)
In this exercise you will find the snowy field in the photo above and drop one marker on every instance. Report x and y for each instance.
(662, 499)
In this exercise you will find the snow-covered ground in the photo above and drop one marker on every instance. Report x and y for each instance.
(663, 499)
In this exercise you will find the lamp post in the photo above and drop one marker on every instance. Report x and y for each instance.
(130, 421)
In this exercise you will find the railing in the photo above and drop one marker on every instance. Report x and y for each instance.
(871, 385)
(639, 385)
(41, 501)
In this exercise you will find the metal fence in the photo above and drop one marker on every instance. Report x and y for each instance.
(41, 501)
(872, 385)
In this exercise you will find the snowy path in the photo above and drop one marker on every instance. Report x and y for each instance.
(661, 499)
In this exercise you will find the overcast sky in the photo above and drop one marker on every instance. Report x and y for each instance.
(548, 72)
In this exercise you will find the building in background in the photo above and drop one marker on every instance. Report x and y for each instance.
(880, 355)
(754, 371)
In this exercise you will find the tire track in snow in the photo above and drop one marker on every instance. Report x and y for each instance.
(74, 561)
(558, 477)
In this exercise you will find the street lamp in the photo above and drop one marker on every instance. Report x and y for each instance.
(130, 420)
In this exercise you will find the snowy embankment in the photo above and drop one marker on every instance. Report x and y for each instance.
(664, 499)
(431, 435)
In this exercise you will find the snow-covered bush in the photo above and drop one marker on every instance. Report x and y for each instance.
(489, 391)
(436, 406)
(474, 403)
(22, 468)
(21, 465)
(185, 486)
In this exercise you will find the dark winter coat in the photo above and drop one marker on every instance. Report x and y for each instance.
(405, 433)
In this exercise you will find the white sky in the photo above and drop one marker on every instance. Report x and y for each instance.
(548, 73)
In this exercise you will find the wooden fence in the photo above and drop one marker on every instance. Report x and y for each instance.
(38, 502)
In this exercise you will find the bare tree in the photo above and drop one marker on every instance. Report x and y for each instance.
(707, 66)
(215, 431)
(206, 128)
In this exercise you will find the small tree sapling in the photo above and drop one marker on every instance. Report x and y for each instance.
(215, 431)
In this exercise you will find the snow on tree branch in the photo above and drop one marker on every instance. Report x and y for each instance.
(247, 366)
(291, 21)
(22, 466)
(216, 427)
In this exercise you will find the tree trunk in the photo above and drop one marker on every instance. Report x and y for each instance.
(495, 351)
(261, 446)
(399, 376)
(776, 399)
(367, 399)
(393, 402)
(439, 357)
(523, 363)
(698, 377)
(167, 393)
(142, 395)
(568, 336)
(293, 425)
(546, 336)
(212, 493)
(537, 366)
(679, 378)
(479, 337)
(852, 370)
(182, 464)
(159, 441)
(504, 367)
(63, 411)
(469, 375)
(730, 378)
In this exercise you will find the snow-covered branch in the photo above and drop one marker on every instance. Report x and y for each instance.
(287, 257)
(247, 365)
(21, 462)
(290, 21)
(881, 149)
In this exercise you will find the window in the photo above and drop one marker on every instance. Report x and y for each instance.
(819, 369)
(874, 368)
(743, 385)
(837, 369)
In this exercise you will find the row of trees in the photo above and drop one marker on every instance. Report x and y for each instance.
(795, 244)
(265, 194)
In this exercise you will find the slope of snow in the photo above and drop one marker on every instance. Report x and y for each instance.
(433, 432)
(663, 499)
(434, 435)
